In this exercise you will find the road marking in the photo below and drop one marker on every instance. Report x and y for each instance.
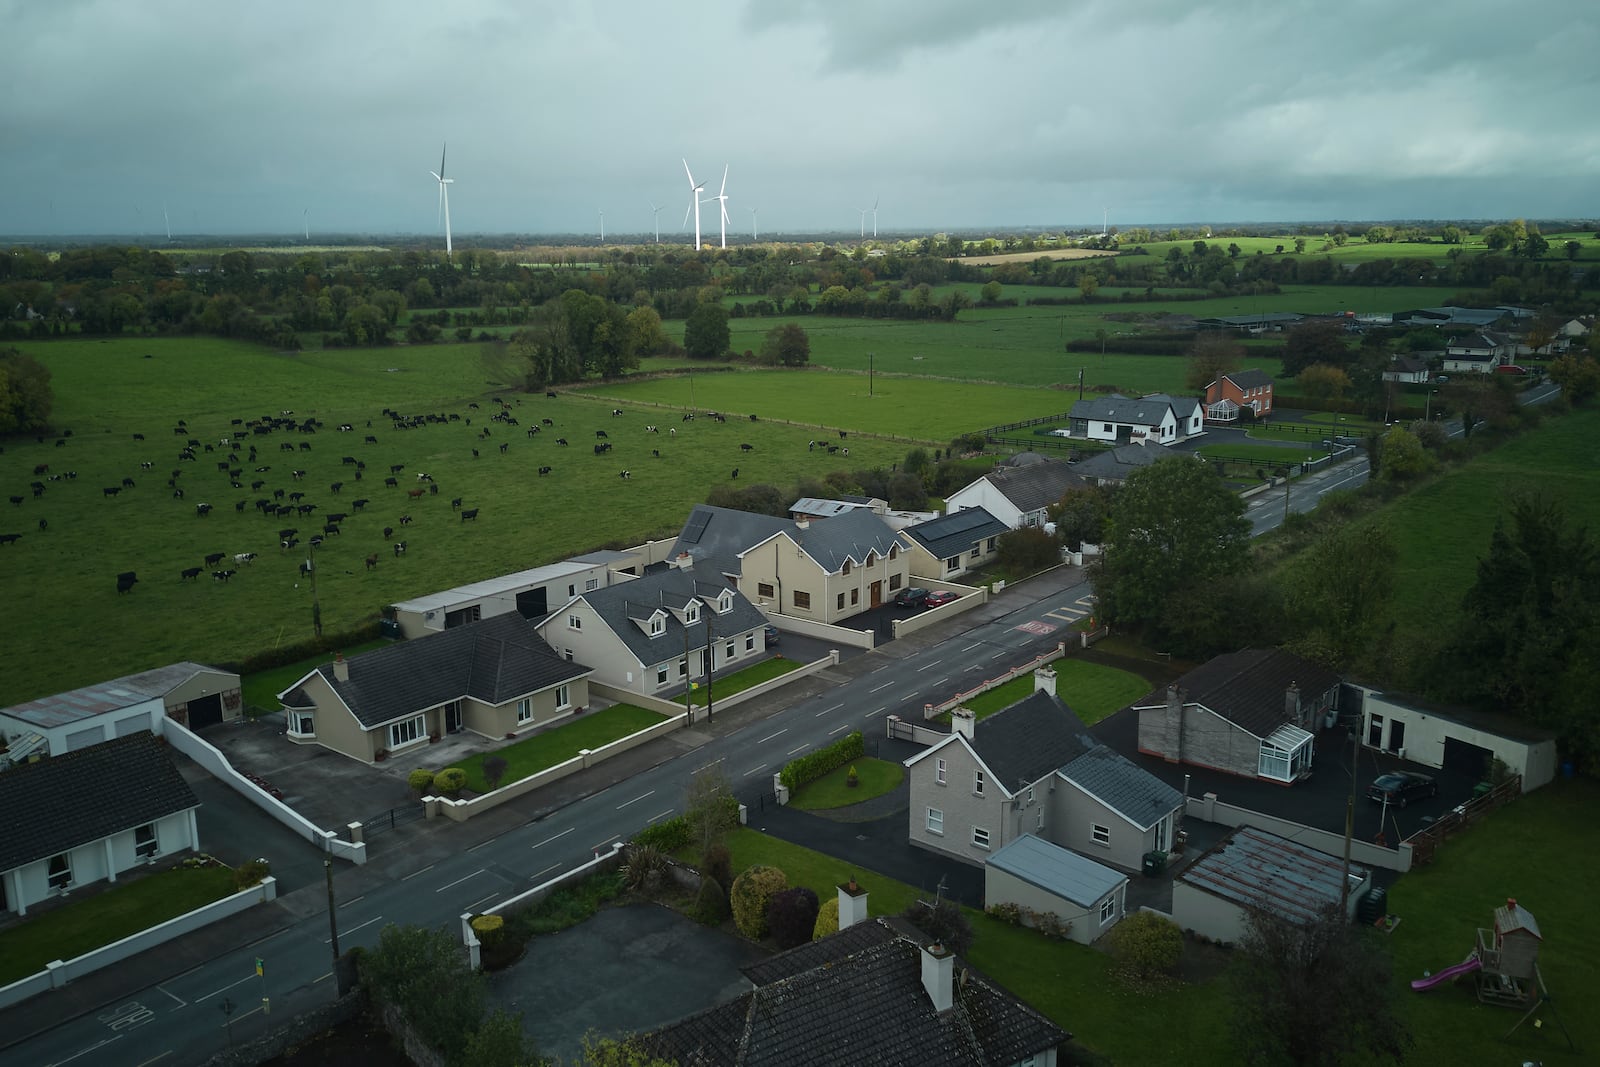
(127, 1016)
(156, 1059)
(346, 933)
(839, 729)
(607, 843)
(481, 844)
(943, 680)
(458, 881)
(707, 767)
(659, 815)
(321, 978)
(181, 1002)
(836, 707)
(875, 714)
(792, 751)
(352, 900)
(757, 770)
(636, 799)
(91, 1048)
(997, 655)
(474, 905)
(558, 837)
(224, 989)
(769, 737)
(547, 870)
(929, 665)
(413, 874)
(972, 646)
(879, 689)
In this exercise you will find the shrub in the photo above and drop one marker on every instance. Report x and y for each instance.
(943, 921)
(852, 780)
(717, 864)
(752, 892)
(494, 769)
(420, 780)
(1146, 945)
(250, 872)
(813, 765)
(646, 864)
(451, 780)
(490, 929)
(827, 919)
(669, 835)
(792, 916)
(1006, 912)
(711, 904)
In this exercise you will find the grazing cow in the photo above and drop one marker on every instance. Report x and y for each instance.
(406, 520)
(561, 441)
(297, 475)
(286, 446)
(177, 494)
(305, 509)
(415, 493)
(110, 490)
(222, 466)
(255, 486)
(747, 448)
(348, 461)
(388, 532)
(215, 558)
(363, 502)
(278, 494)
(297, 497)
(548, 422)
(455, 502)
(392, 483)
(396, 468)
(371, 440)
(400, 548)
(424, 477)
(335, 487)
(672, 431)
(145, 464)
(37, 487)
(532, 430)
(17, 500)
(735, 473)
(222, 576)
(474, 453)
(753, 419)
(337, 516)
(615, 412)
(243, 557)
(600, 433)
(651, 429)
(469, 513)
(843, 434)
(263, 469)
(61, 442)
(238, 505)
(305, 446)
(600, 450)
(372, 562)
(550, 396)
(127, 483)
(6, 539)
(331, 529)
(846, 451)
(626, 474)
(832, 449)
(42, 468)
(126, 581)
(656, 452)
(288, 542)
(44, 524)
(688, 416)
(503, 448)
(189, 572)
(138, 437)
(545, 470)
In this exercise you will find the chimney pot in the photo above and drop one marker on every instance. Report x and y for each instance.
(962, 722)
(1044, 680)
(341, 667)
(852, 904)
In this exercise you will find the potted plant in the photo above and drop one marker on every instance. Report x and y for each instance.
(433, 738)
(851, 779)
(381, 755)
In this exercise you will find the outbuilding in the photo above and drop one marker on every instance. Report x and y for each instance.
(1251, 868)
(1041, 877)
(1456, 738)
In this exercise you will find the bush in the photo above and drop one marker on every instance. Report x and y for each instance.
(420, 780)
(646, 864)
(490, 929)
(494, 769)
(669, 835)
(813, 765)
(1146, 945)
(944, 922)
(752, 892)
(717, 864)
(1006, 912)
(1028, 550)
(711, 903)
(450, 781)
(792, 916)
(827, 919)
(250, 872)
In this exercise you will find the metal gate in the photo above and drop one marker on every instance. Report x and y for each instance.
(385, 821)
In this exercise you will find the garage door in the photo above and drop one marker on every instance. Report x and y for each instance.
(205, 711)
(84, 738)
(1471, 760)
(132, 725)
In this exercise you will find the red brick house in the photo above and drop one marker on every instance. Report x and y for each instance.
(1250, 389)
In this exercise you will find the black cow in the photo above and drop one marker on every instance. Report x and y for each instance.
(550, 396)
(656, 452)
(363, 502)
(331, 529)
(599, 433)
(400, 548)
(735, 473)
(127, 483)
(336, 487)
(388, 532)
(112, 490)
(547, 422)
(747, 448)
(469, 513)
(215, 558)
(392, 483)
(561, 440)
(6, 539)
(126, 581)
(189, 572)
(545, 470)
(396, 468)
(17, 500)
(372, 562)
(455, 502)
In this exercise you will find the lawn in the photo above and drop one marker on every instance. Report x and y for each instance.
(108, 915)
(875, 777)
(550, 747)
(1092, 690)
(262, 688)
(737, 682)
(1265, 454)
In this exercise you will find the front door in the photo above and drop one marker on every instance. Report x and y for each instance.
(1397, 736)
(877, 594)
(452, 717)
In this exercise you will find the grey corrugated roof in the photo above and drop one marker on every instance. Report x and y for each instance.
(1248, 688)
(496, 660)
(1118, 463)
(1057, 870)
(953, 534)
(1253, 868)
(91, 700)
(669, 590)
(1035, 486)
(1025, 742)
(59, 803)
(1130, 790)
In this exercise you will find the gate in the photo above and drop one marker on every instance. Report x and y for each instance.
(385, 821)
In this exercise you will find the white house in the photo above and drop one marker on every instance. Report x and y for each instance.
(1157, 417)
(1017, 496)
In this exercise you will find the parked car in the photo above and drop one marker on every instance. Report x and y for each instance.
(772, 636)
(914, 597)
(1400, 787)
(940, 597)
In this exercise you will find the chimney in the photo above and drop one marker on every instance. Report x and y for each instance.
(852, 904)
(1044, 681)
(962, 722)
(1172, 729)
(938, 975)
(1291, 703)
(341, 668)
(802, 523)
(684, 561)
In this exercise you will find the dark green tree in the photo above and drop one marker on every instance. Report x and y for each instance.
(1080, 516)
(706, 334)
(26, 398)
(1338, 592)
(786, 346)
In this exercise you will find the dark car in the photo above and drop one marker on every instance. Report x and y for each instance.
(772, 636)
(911, 598)
(940, 597)
(1400, 787)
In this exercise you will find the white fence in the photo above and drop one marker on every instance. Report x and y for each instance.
(601, 861)
(1210, 809)
(58, 973)
(192, 745)
(929, 711)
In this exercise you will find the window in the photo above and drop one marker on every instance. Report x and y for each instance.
(724, 603)
(846, 568)
(953, 563)
(574, 622)
(976, 552)
(1030, 794)
(302, 724)
(939, 771)
(524, 711)
(569, 655)
(977, 783)
(144, 841)
(403, 733)
(1101, 835)
(750, 641)
(591, 585)
(683, 668)
(841, 602)
(730, 650)
(658, 626)
(993, 541)
(935, 821)
(764, 589)
(1038, 823)
(661, 674)
(1108, 910)
(802, 600)
(563, 696)
(855, 596)
(60, 872)
(894, 582)
(572, 590)
(894, 551)
(980, 837)
(692, 612)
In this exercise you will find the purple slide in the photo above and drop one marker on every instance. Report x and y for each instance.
(1466, 966)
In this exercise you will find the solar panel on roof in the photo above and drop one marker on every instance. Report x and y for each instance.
(695, 527)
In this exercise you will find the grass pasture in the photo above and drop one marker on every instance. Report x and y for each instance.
(60, 584)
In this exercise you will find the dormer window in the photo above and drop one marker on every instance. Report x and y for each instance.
(692, 612)
(846, 569)
(658, 625)
(725, 602)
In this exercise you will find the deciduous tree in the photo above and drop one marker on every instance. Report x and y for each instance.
(706, 334)
(1338, 590)
(786, 346)
(1324, 381)
(1214, 354)
(1578, 375)
(1403, 456)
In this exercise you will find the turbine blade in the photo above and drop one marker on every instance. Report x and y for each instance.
(442, 152)
(689, 172)
(724, 188)
(685, 221)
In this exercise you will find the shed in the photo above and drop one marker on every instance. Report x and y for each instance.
(1457, 738)
(1251, 868)
(535, 593)
(1517, 939)
(1036, 875)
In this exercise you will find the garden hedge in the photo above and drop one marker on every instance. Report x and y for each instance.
(813, 765)
(752, 894)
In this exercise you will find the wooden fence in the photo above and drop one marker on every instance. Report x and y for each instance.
(1427, 840)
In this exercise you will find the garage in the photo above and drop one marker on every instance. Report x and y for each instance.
(205, 711)
(1461, 740)
(1467, 758)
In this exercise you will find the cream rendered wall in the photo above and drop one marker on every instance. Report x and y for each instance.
(207, 683)
(1425, 736)
(336, 727)
(1003, 887)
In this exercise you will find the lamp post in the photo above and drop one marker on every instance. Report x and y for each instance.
(1349, 825)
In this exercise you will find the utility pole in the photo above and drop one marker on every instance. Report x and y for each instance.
(1286, 498)
(711, 658)
(333, 924)
(870, 356)
(1349, 825)
(1080, 383)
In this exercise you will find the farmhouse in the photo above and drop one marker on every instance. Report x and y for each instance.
(191, 693)
(1017, 496)
(1456, 738)
(659, 634)
(1408, 370)
(495, 677)
(1478, 353)
(91, 814)
(948, 547)
(1242, 390)
(1252, 869)
(1250, 713)
(530, 593)
(1156, 417)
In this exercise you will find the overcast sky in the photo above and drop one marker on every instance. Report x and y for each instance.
(252, 117)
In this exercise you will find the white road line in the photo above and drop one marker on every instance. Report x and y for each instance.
(547, 870)
(769, 737)
(708, 766)
(352, 900)
(943, 680)
(879, 689)
(558, 837)
(91, 1048)
(156, 1059)
(997, 655)
(659, 815)
(413, 874)
(970, 647)
(636, 799)
(350, 931)
(482, 844)
(474, 905)
(839, 729)
(181, 1002)
(607, 843)
(321, 978)
(836, 707)
(224, 989)
(458, 881)
(757, 770)
(929, 665)
(792, 751)
(875, 714)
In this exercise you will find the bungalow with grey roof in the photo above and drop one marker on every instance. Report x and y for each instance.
(1156, 417)
(949, 546)
(1113, 467)
(1017, 496)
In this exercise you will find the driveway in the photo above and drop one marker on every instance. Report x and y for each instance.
(235, 830)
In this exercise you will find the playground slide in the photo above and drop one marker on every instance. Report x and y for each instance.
(1449, 974)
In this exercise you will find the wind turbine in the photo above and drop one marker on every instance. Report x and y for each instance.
(875, 216)
(602, 227)
(1105, 217)
(305, 217)
(657, 216)
(695, 189)
(167, 219)
(753, 235)
(722, 203)
(444, 199)
(863, 211)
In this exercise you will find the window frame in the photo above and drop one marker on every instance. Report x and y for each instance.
(764, 589)
(148, 848)
(750, 641)
(59, 877)
(417, 723)
(575, 622)
(977, 783)
(980, 837)
(1108, 909)
(563, 696)
(802, 599)
(940, 770)
(935, 821)
(1100, 834)
(524, 711)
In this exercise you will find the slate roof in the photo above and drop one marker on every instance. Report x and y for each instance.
(1056, 870)
(1407, 365)
(1144, 411)
(495, 660)
(56, 804)
(91, 700)
(1035, 486)
(955, 533)
(669, 590)
(1117, 464)
(1249, 379)
(1253, 868)
(1247, 688)
(1025, 742)
(718, 536)
(1119, 784)
(1184, 407)
(857, 997)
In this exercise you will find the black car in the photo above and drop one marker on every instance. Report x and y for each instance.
(1400, 787)
(911, 598)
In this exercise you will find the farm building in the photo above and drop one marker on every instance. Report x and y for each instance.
(811, 507)
(191, 693)
(90, 814)
(534, 593)
(1456, 738)
(1034, 874)
(1251, 868)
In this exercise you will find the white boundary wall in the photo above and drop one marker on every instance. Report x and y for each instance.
(1364, 853)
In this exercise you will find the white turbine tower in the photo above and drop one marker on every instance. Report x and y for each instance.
(305, 217)
(722, 203)
(656, 215)
(863, 211)
(875, 201)
(444, 199)
(167, 219)
(1105, 217)
(695, 189)
(602, 227)
(753, 233)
